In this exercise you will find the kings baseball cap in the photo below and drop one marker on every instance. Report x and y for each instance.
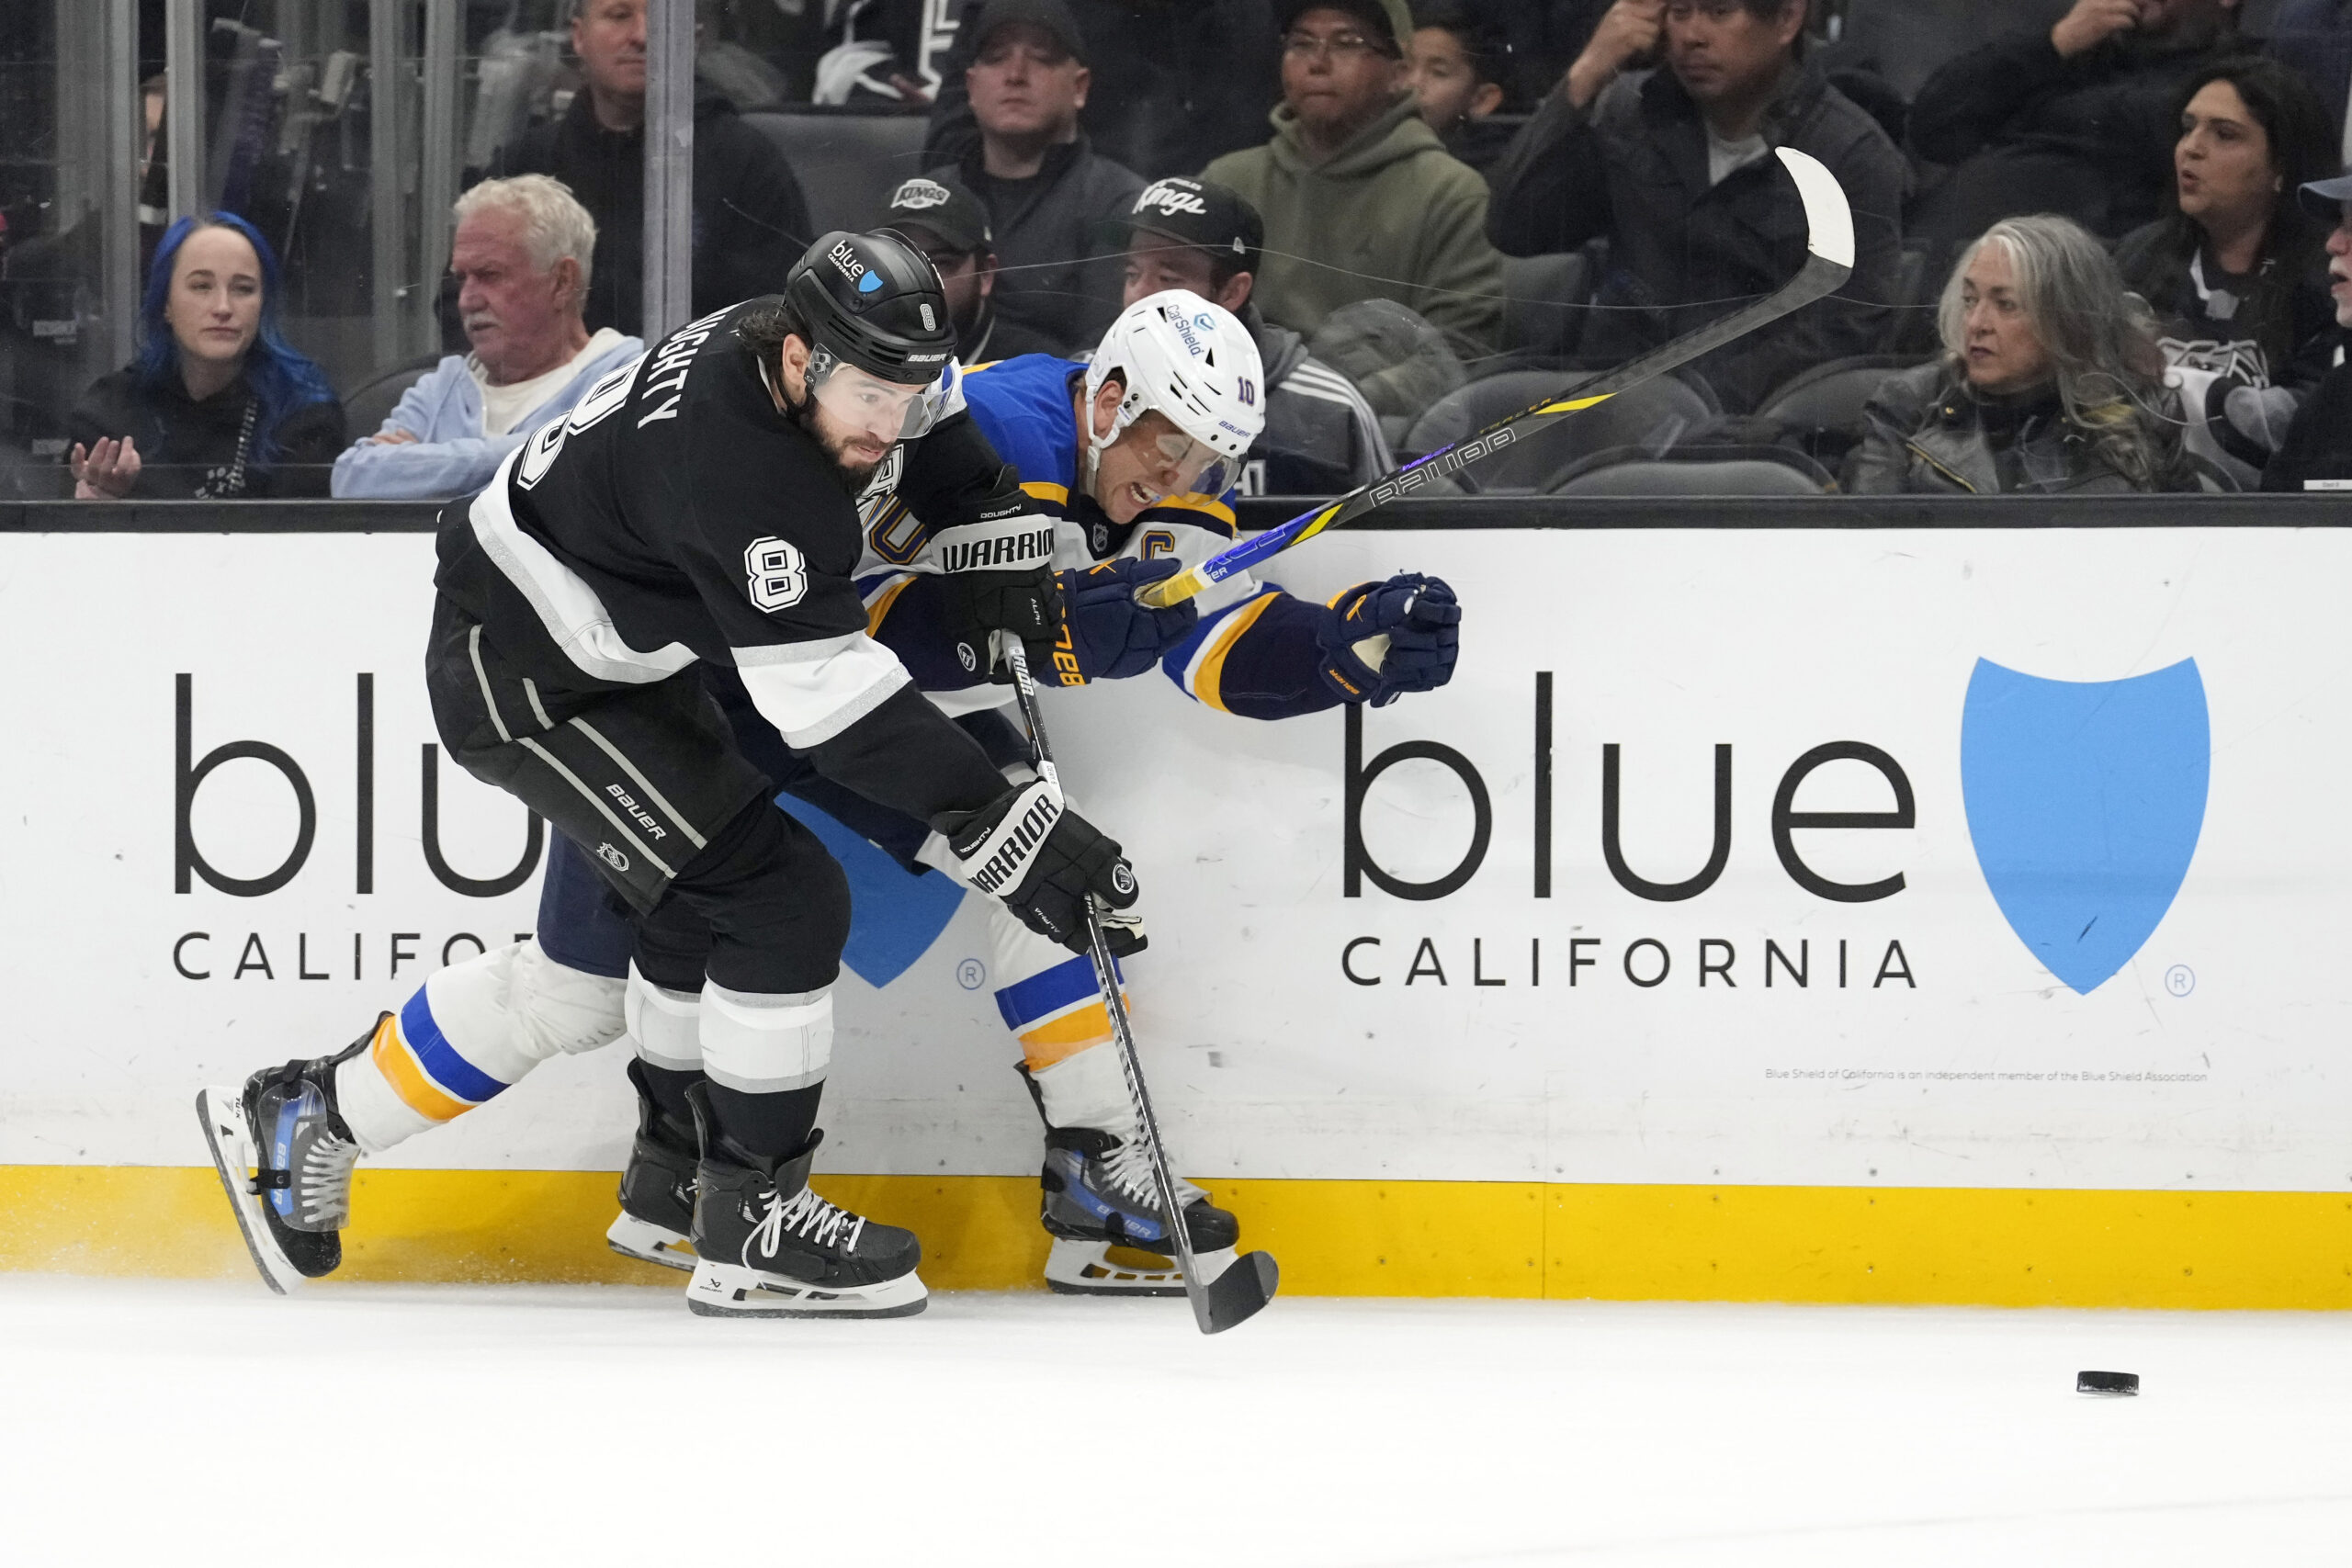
(1200, 213)
(938, 202)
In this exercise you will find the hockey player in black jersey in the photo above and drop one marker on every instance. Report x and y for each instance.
(699, 505)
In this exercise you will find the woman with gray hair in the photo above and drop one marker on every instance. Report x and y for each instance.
(2051, 381)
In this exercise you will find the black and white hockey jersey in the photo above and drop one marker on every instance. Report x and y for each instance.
(676, 515)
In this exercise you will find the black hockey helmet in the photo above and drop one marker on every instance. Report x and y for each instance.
(875, 302)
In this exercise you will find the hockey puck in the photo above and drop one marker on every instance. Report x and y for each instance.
(2114, 1385)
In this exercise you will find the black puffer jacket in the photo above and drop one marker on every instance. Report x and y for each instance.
(750, 223)
(1683, 251)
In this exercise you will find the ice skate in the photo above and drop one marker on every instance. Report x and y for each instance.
(1099, 1196)
(657, 1193)
(285, 1157)
(769, 1246)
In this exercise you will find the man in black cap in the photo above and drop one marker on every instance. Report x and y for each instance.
(1176, 83)
(1321, 437)
(1046, 191)
(2317, 453)
(948, 224)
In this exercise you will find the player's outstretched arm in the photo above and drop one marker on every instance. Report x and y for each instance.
(1276, 656)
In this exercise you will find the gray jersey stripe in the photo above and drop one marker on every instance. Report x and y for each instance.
(642, 783)
(473, 647)
(590, 796)
(531, 690)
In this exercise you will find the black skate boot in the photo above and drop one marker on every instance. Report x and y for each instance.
(285, 1157)
(658, 1188)
(1099, 1194)
(769, 1246)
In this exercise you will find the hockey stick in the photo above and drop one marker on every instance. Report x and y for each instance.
(1248, 1284)
(1829, 242)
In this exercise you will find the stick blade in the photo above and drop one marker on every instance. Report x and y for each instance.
(1828, 220)
(1238, 1294)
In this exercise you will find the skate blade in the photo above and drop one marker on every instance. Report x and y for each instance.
(728, 1290)
(222, 1111)
(1076, 1268)
(649, 1243)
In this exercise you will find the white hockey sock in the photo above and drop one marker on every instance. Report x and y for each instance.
(470, 1032)
(1087, 1089)
(664, 1026)
(760, 1043)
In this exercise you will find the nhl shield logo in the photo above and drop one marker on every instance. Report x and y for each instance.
(2084, 802)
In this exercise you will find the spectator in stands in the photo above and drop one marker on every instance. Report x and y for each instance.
(1674, 167)
(1176, 83)
(1459, 61)
(948, 224)
(2317, 452)
(217, 403)
(2237, 275)
(2076, 120)
(522, 256)
(1047, 191)
(1320, 437)
(1358, 195)
(2050, 380)
(750, 223)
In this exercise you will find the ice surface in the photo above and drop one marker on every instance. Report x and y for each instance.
(202, 1424)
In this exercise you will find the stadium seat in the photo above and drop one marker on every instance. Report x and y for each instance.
(1650, 417)
(1695, 471)
(1543, 300)
(370, 404)
(1829, 396)
(847, 163)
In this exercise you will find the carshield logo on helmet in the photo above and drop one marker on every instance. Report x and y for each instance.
(2084, 802)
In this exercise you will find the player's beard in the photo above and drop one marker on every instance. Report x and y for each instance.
(853, 477)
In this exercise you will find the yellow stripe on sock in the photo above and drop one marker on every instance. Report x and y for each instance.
(1060, 1039)
(406, 1074)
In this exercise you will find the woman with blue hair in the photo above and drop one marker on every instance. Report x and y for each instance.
(218, 403)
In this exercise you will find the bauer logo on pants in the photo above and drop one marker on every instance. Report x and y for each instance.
(2084, 802)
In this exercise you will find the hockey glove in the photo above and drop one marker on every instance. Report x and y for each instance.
(1422, 622)
(1028, 847)
(998, 574)
(1110, 635)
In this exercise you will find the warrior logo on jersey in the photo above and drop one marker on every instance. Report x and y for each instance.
(778, 572)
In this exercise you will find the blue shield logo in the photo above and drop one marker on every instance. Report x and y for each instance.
(894, 915)
(2085, 800)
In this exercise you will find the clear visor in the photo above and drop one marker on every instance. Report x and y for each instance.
(1176, 464)
(865, 404)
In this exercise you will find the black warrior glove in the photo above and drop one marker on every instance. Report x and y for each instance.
(1109, 637)
(998, 572)
(1422, 622)
(1028, 847)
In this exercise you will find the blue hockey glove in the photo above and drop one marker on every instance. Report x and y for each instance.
(1422, 622)
(1106, 636)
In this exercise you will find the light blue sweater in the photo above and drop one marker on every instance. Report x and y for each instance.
(450, 456)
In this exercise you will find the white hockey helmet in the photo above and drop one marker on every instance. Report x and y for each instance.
(1195, 364)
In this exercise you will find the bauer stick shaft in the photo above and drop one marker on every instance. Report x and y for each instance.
(1829, 245)
(1246, 1286)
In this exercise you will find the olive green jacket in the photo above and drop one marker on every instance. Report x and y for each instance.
(1391, 214)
